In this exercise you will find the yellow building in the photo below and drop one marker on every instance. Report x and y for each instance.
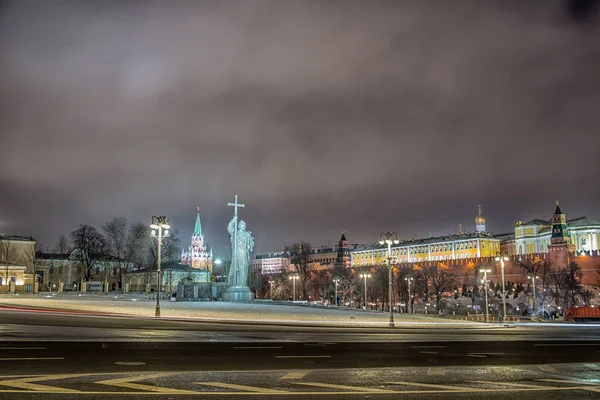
(17, 256)
(441, 248)
(534, 237)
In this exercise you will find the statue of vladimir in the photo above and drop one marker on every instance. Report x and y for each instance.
(242, 243)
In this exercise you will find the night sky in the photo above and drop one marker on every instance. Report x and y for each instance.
(366, 116)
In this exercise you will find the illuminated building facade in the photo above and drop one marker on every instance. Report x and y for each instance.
(581, 235)
(452, 247)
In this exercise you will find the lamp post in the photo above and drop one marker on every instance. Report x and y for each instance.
(365, 276)
(336, 280)
(485, 280)
(503, 258)
(409, 280)
(389, 238)
(293, 278)
(533, 278)
(271, 282)
(160, 224)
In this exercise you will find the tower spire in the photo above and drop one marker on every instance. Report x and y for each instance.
(198, 227)
(480, 220)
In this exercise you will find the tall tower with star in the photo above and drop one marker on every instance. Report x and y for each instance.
(197, 255)
(560, 243)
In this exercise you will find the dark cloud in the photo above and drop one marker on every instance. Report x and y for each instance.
(322, 115)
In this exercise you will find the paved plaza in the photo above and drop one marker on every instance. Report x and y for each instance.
(257, 312)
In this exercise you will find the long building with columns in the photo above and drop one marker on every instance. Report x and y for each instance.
(460, 246)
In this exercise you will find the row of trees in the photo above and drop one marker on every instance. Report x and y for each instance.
(434, 282)
(117, 243)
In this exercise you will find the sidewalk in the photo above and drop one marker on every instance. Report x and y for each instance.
(227, 312)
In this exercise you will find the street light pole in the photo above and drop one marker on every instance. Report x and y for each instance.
(365, 276)
(271, 281)
(336, 280)
(487, 309)
(503, 258)
(534, 298)
(389, 238)
(293, 279)
(409, 279)
(159, 223)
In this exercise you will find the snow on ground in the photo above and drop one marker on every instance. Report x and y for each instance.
(256, 312)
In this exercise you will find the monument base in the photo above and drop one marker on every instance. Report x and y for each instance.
(238, 294)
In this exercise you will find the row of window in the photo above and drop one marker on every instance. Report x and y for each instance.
(433, 258)
(425, 249)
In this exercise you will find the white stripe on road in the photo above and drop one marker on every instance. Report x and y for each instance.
(295, 374)
(428, 347)
(22, 348)
(547, 368)
(30, 358)
(564, 344)
(257, 347)
(302, 356)
(436, 371)
(429, 352)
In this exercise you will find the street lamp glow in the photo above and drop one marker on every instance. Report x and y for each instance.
(485, 280)
(533, 278)
(218, 262)
(293, 278)
(271, 282)
(365, 276)
(159, 224)
(503, 258)
(409, 280)
(388, 238)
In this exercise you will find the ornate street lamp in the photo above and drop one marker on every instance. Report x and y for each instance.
(160, 230)
(485, 282)
(500, 257)
(389, 238)
(365, 276)
(409, 280)
(336, 280)
(293, 278)
(533, 278)
(271, 282)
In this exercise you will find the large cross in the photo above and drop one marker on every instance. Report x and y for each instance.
(235, 205)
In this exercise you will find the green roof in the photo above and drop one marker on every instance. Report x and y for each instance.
(198, 227)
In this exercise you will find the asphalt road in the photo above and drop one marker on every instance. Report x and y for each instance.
(22, 325)
(58, 356)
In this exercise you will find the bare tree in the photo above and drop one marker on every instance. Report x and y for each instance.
(90, 247)
(300, 257)
(137, 251)
(170, 250)
(116, 235)
(9, 257)
(567, 284)
(442, 279)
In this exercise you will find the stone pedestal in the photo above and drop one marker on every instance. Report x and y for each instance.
(195, 291)
(12, 287)
(83, 287)
(61, 287)
(126, 287)
(36, 287)
(148, 288)
(238, 294)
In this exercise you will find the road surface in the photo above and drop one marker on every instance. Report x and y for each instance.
(66, 356)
